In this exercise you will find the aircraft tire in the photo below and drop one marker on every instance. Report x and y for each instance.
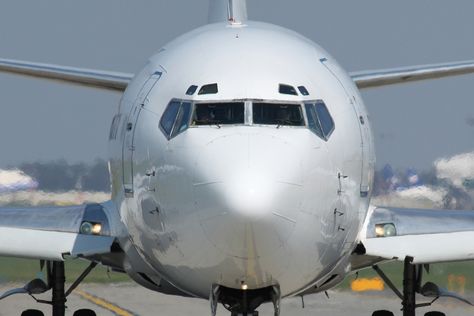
(84, 312)
(435, 314)
(382, 313)
(32, 312)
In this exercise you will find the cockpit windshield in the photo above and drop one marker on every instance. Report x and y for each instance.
(278, 114)
(219, 113)
(181, 115)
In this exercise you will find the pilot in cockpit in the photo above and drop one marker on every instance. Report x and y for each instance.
(204, 115)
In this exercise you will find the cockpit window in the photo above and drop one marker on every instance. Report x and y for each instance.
(179, 115)
(313, 121)
(319, 119)
(176, 117)
(287, 89)
(184, 116)
(219, 113)
(169, 117)
(191, 90)
(277, 114)
(303, 90)
(324, 118)
(209, 89)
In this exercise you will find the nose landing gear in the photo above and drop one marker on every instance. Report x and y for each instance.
(244, 302)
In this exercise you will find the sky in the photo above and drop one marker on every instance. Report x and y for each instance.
(414, 124)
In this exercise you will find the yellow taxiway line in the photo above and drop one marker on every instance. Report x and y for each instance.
(103, 303)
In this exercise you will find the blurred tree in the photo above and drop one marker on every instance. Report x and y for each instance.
(97, 177)
(59, 175)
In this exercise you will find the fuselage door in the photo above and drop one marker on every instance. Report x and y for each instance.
(364, 129)
(128, 145)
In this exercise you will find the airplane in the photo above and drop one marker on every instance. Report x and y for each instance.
(241, 163)
(15, 180)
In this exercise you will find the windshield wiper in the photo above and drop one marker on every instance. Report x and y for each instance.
(284, 122)
(207, 122)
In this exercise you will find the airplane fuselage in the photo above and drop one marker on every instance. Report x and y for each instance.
(249, 203)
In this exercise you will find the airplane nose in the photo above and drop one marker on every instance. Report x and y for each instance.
(247, 189)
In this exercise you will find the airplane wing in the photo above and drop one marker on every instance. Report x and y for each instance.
(87, 77)
(118, 81)
(51, 233)
(429, 236)
(385, 77)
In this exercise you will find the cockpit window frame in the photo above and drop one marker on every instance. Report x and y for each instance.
(196, 102)
(324, 135)
(179, 118)
(279, 102)
(208, 89)
(248, 115)
(166, 133)
(172, 134)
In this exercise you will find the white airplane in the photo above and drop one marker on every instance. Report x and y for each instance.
(15, 180)
(241, 162)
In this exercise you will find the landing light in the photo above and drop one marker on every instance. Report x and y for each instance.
(96, 228)
(88, 228)
(244, 286)
(385, 230)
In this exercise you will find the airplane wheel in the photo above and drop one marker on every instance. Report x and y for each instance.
(435, 314)
(84, 312)
(382, 313)
(32, 312)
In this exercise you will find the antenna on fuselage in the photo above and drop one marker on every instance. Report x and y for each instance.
(233, 11)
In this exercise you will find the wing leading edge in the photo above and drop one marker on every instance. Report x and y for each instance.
(119, 81)
(429, 236)
(108, 80)
(379, 78)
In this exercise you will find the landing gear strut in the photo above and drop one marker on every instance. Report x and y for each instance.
(412, 278)
(409, 287)
(58, 279)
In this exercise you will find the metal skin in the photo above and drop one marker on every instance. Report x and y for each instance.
(240, 205)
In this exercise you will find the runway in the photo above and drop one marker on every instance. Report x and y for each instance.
(126, 299)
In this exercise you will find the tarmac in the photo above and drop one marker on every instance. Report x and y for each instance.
(126, 299)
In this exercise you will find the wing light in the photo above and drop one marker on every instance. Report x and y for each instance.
(385, 230)
(88, 228)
